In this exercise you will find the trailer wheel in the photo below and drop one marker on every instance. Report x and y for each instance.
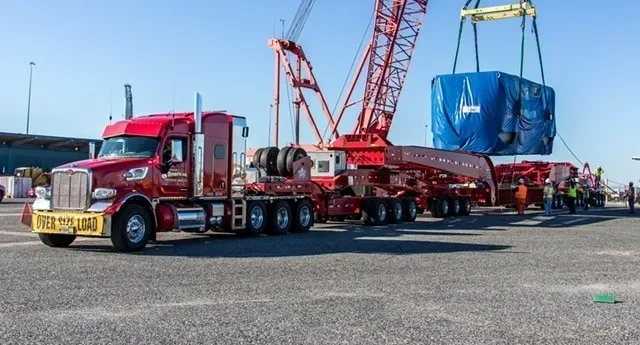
(455, 208)
(281, 218)
(269, 159)
(374, 212)
(441, 208)
(465, 206)
(394, 211)
(256, 221)
(281, 162)
(56, 240)
(409, 209)
(303, 216)
(132, 228)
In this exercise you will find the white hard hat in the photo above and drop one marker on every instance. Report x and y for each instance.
(547, 181)
(520, 181)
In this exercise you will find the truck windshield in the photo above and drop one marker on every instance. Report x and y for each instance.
(126, 146)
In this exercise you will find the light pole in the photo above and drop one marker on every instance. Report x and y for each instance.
(270, 119)
(31, 64)
(426, 131)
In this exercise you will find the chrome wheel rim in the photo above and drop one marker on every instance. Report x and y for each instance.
(456, 206)
(257, 217)
(445, 207)
(135, 228)
(305, 216)
(468, 206)
(382, 213)
(282, 217)
(397, 210)
(413, 209)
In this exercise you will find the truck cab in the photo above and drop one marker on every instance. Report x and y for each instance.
(153, 173)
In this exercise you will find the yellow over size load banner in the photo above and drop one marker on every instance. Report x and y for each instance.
(88, 224)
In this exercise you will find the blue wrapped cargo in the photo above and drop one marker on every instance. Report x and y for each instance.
(478, 112)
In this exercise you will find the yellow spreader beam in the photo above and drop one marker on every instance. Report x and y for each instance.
(499, 12)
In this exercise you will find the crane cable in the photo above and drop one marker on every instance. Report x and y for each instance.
(346, 80)
(299, 20)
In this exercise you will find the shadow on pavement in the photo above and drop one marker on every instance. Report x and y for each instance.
(341, 238)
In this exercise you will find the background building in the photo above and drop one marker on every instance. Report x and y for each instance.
(46, 152)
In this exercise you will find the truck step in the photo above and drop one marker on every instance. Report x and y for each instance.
(238, 214)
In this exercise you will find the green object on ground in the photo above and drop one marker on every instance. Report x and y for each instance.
(604, 298)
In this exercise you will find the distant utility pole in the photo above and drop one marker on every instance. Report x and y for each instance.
(270, 119)
(31, 64)
(426, 132)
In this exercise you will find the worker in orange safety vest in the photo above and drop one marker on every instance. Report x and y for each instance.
(520, 196)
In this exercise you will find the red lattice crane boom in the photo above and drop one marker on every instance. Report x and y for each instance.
(397, 24)
(396, 28)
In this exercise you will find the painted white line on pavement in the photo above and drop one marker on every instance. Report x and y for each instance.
(9, 214)
(18, 233)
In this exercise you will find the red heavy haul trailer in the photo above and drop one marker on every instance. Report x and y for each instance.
(170, 172)
(363, 166)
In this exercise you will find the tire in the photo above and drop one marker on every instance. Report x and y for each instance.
(256, 221)
(303, 220)
(409, 210)
(256, 157)
(269, 159)
(465, 206)
(132, 228)
(374, 212)
(281, 162)
(281, 218)
(57, 240)
(455, 208)
(395, 211)
(292, 156)
(441, 207)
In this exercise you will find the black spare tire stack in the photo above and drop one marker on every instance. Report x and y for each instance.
(278, 162)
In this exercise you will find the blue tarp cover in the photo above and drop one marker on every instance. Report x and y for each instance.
(477, 112)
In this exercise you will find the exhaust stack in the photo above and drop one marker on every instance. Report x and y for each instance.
(128, 102)
(198, 148)
(92, 150)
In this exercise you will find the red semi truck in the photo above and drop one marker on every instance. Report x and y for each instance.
(187, 172)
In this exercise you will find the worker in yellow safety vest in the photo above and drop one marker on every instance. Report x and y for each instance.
(547, 192)
(599, 173)
(572, 195)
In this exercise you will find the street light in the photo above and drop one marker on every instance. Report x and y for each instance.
(31, 64)
(426, 131)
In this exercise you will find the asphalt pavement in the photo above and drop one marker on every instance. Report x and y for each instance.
(484, 279)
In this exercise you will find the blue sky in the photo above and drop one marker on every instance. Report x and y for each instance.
(86, 50)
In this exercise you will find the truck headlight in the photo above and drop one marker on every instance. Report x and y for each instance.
(42, 192)
(103, 193)
(136, 174)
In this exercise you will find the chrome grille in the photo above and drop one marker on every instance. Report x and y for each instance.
(70, 190)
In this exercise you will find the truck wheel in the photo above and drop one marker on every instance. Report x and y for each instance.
(56, 240)
(409, 210)
(454, 207)
(256, 218)
(374, 212)
(303, 216)
(281, 162)
(394, 211)
(281, 218)
(132, 227)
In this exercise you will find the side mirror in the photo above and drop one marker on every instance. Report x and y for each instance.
(176, 151)
(245, 132)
